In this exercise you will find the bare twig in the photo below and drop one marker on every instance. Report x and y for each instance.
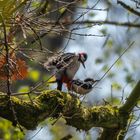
(128, 8)
(8, 73)
(100, 22)
(7, 56)
(116, 61)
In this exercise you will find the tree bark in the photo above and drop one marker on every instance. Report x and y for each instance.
(124, 113)
(53, 103)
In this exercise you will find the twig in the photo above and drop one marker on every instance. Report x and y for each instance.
(35, 134)
(128, 8)
(18, 7)
(8, 74)
(7, 56)
(118, 59)
(34, 31)
(100, 22)
(115, 62)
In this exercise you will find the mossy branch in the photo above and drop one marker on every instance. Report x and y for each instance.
(124, 112)
(53, 104)
(131, 100)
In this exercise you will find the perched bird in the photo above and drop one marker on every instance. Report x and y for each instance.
(66, 66)
(81, 87)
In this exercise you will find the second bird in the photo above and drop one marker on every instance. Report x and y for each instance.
(82, 87)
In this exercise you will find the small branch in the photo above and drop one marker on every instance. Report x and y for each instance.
(132, 100)
(7, 56)
(128, 8)
(94, 22)
(99, 22)
(18, 6)
(15, 121)
(124, 111)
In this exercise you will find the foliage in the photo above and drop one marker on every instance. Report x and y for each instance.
(9, 132)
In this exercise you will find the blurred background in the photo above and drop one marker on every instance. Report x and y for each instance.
(102, 42)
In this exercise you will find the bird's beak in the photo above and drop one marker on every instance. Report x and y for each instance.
(83, 65)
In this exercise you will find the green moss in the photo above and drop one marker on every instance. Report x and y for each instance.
(53, 103)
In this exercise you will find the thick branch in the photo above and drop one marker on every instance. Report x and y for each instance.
(53, 104)
(124, 111)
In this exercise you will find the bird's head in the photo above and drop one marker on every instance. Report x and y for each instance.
(83, 58)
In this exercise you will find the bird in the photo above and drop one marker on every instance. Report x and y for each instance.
(82, 87)
(66, 65)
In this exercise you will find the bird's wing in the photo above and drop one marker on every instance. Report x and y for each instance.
(80, 83)
(65, 60)
(52, 62)
(60, 61)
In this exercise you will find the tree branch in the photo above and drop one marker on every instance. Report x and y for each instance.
(96, 22)
(131, 100)
(124, 111)
(53, 104)
(128, 8)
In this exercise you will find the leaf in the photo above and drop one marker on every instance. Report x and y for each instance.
(84, 3)
(129, 78)
(52, 79)
(105, 68)
(103, 31)
(62, 10)
(91, 14)
(35, 4)
(119, 63)
(110, 43)
(23, 89)
(111, 75)
(99, 60)
(21, 69)
(116, 86)
(17, 68)
(34, 75)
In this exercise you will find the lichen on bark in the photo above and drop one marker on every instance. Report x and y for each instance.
(53, 103)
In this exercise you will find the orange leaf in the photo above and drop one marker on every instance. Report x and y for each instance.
(17, 68)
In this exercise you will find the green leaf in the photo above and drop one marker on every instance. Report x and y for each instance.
(84, 3)
(114, 100)
(119, 63)
(111, 75)
(91, 14)
(35, 4)
(129, 79)
(62, 10)
(34, 75)
(116, 86)
(110, 43)
(98, 60)
(23, 89)
(105, 68)
(103, 31)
